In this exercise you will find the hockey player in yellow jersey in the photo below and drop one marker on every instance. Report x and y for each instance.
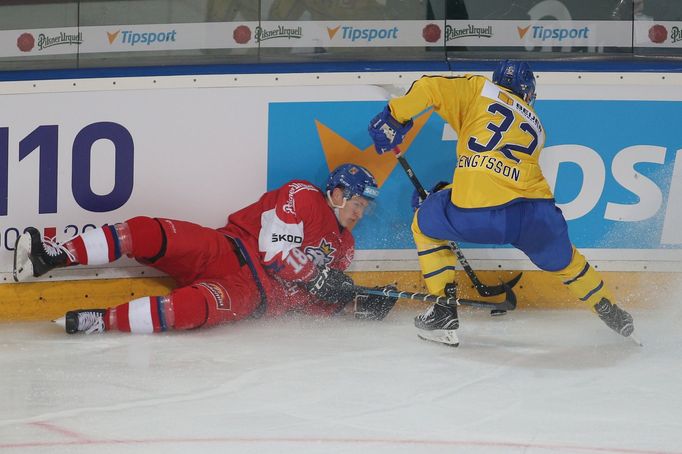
(498, 194)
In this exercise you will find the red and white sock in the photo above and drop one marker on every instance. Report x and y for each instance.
(100, 246)
(146, 315)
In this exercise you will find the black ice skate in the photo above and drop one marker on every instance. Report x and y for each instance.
(83, 320)
(34, 256)
(615, 318)
(438, 324)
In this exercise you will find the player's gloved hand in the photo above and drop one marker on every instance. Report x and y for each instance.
(416, 198)
(387, 132)
(332, 286)
(374, 307)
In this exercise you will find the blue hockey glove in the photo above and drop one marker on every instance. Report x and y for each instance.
(387, 132)
(416, 198)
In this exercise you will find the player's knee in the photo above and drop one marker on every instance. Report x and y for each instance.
(575, 267)
(416, 231)
(148, 238)
(190, 308)
(207, 304)
(583, 280)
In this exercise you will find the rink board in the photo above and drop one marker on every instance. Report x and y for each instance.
(536, 290)
(87, 152)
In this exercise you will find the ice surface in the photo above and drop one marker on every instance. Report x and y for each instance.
(529, 382)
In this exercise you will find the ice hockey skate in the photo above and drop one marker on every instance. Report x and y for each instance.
(615, 318)
(83, 320)
(438, 324)
(34, 256)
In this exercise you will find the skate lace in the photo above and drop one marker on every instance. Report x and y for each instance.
(54, 249)
(428, 313)
(90, 322)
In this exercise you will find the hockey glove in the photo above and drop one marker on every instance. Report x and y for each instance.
(387, 132)
(332, 286)
(374, 307)
(416, 198)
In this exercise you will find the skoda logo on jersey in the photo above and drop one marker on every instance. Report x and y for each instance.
(289, 238)
(321, 255)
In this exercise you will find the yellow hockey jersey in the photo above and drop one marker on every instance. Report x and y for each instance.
(499, 138)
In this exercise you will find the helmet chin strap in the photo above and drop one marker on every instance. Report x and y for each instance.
(335, 206)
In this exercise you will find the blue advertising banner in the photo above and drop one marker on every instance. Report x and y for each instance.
(610, 163)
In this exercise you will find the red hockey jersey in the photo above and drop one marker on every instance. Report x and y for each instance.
(287, 233)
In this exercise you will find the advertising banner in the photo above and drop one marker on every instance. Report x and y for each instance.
(529, 34)
(615, 183)
(73, 161)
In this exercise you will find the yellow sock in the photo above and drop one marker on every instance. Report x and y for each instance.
(436, 259)
(583, 280)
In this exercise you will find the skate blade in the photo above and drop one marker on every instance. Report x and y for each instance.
(635, 339)
(441, 336)
(22, 264)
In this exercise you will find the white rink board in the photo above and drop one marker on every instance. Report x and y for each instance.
(199, 154)
(201, 150)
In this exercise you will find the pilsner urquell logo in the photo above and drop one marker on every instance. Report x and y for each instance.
(452, 33)
(279, 32)
(45, 41)
(676, 34)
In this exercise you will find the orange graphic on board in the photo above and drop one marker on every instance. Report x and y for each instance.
(338, 150)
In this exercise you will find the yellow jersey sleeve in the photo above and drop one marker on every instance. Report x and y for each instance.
(499, 140)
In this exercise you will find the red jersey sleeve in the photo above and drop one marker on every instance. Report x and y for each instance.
(283, 231)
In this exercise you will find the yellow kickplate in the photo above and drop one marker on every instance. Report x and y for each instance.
(49, 300)
(536, 290)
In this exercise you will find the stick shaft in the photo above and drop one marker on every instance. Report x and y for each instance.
(508, 304)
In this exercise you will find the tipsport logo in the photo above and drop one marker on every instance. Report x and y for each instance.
(131, 38)
(353, 34)
(542, 33)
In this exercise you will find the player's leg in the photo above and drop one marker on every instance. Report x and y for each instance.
(436, 259)
(35, 256)
(179, 248)
(203, 304)
(438, 322)
(543, 237)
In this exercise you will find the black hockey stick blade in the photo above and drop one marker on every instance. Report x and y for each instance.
(493, 290)
(509, 303)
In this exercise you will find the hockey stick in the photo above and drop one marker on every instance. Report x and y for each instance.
(509, 303)
(483, 290)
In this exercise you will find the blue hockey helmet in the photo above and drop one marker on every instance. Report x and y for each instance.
(355, 180)
(518, 77)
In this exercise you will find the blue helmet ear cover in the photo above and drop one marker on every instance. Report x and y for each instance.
(354, 180)
(517, 77)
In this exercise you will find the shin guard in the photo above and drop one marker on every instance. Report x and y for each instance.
(149, 314)
(436, 260)
(583, 281)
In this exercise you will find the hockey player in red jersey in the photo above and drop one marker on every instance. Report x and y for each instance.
(287, 251)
